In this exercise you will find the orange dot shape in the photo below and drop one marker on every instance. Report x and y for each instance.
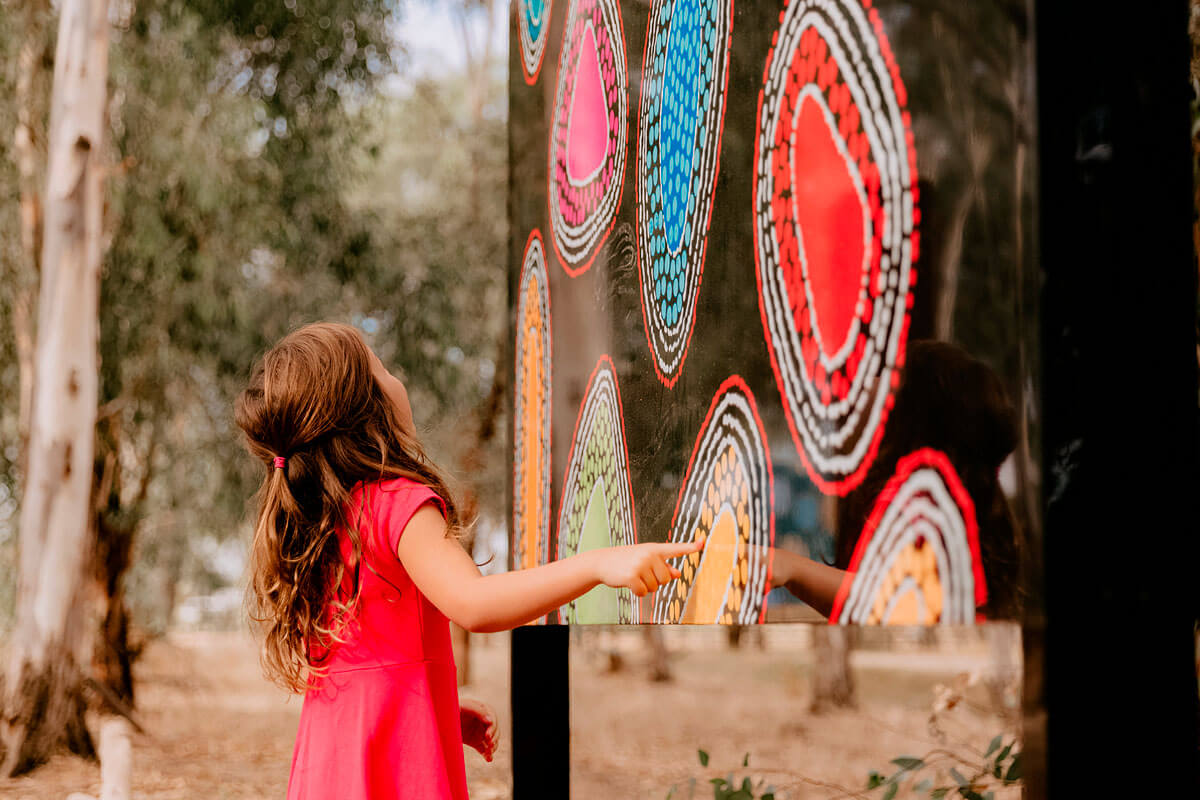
(532, 391)
(717, 570)
(912, 592)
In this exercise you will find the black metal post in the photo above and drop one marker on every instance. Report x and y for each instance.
(541, 720)
(1120, 404)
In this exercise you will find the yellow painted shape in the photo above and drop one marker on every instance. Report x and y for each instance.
(920, 564)
(907, 610)
(706, 601)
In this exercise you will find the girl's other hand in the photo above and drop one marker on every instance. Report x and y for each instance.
(479, 729)
(814, 582)
(641, 568)
(784, 565)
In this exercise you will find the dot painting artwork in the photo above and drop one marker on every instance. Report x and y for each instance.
(531, 412)
(588, 135)
(728, 500)
(682, 113)
(835, 230)
(596, 507)
(732, 231)
(533, 19)
(918, 559)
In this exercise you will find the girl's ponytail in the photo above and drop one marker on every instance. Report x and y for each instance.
(281, 563)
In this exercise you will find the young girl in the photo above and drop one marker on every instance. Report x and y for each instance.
(356, 566)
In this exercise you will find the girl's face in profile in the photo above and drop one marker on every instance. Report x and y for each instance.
(394, 389)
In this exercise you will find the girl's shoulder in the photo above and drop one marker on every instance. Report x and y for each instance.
(391, 503)
(393, 490)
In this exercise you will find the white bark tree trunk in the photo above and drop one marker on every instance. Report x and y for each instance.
(42, 692)
(116, 759)
(1005, 669)
(833, 682)
(28, 136)
(116, 762)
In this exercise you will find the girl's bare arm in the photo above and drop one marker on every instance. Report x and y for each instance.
(813, 582)
(445, 574)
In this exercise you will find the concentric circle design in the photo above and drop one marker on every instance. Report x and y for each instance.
(682, 113)
(588, 136)
(917, 561)
(597, 501)
(533, 22)
(835, 228)
(531, 412)
(727, 498)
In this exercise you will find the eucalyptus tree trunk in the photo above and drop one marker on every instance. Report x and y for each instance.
(30, 97)
(43, 701)
(487, 415)
(833, 682)
(659, 657)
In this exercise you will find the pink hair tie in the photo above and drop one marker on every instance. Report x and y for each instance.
(280, 462)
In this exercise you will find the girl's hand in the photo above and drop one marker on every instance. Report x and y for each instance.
(784, 564)
(813, 582)
(641, 568)
(479, 729)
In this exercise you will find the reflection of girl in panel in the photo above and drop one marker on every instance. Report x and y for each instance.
(951, 429)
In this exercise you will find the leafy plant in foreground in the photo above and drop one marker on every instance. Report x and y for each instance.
(1001, 766)
(727, 788)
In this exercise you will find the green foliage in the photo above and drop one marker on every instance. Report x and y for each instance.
(264, 178)
(727, 788)
(999, 765)
(223, 238)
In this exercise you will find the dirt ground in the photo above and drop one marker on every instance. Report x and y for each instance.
(216, 730)
(631, 738)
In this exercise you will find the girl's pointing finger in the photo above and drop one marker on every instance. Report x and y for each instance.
(676, 549)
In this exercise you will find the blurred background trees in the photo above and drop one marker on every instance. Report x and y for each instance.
(268, 164)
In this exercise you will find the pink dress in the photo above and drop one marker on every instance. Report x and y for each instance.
(384, 722)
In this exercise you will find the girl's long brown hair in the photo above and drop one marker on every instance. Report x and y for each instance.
(314, 400)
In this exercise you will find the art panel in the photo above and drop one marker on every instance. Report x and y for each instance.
(918, 560)
(531, 412)
(533, 18)
(685, 70)
(835, 228)
(596, 508)
(793, 166)
(728, 501)
(588, 141)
